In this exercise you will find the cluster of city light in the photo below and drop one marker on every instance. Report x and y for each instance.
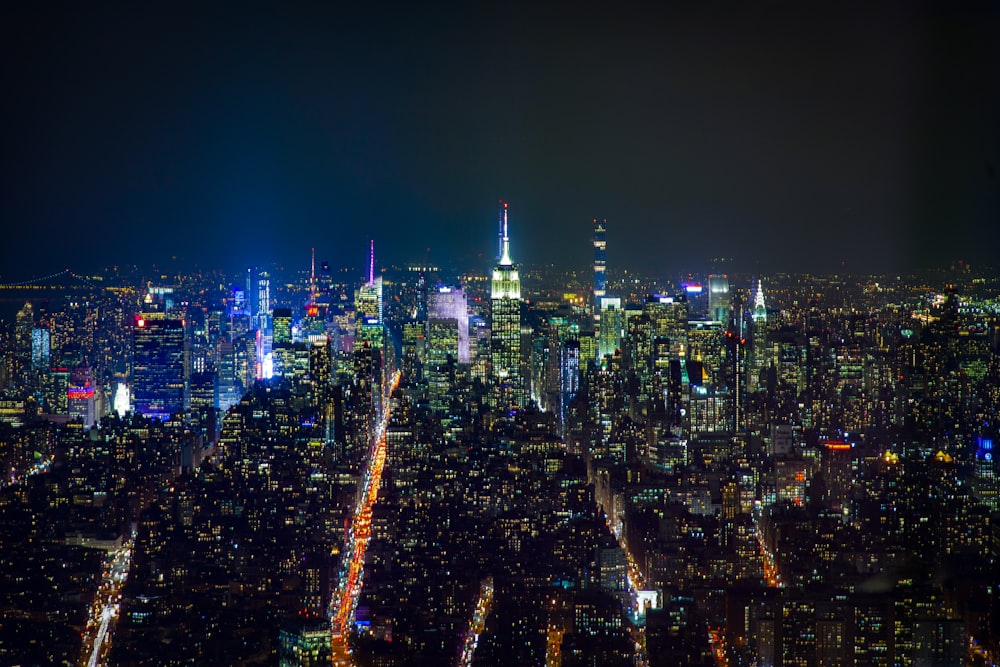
(484, 603)
(345, 597)
(979, 654)
(40, 466)
(106, 606)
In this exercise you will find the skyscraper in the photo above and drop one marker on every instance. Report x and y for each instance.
(505, 328)
(368, 307)
(719, 305)
(158, 367)
(759, 337)
(450, 303)
(600, 265)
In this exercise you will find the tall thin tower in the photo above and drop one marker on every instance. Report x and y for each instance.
(505, 328)
(501, 227)
(312, 277)
(600, 265)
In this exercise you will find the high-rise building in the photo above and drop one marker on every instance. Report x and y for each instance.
(569, 379)
(610, 321)
(158, 365)
(984, 475)
(600, 265)
(259, 307)
(447, 338)
(282, 326)
(23, 329)
(442, 355)
(320, 374)
(758, 361)
(81, 396)
(201, 415)
(719, 306)
(40, 348)
(450, 303)
(505, 328)
(368, 307)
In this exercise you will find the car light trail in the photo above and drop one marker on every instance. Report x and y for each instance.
(106, 606)
(345, 596)
(484, 603)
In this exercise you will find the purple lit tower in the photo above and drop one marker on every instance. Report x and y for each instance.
(450, 303)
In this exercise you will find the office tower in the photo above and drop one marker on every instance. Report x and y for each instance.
(447, 342)
(259, 310)
(450, 303)
(56, 384)
(551, 378)
(158, 365)
(706, 345)
(414, 349)
(281, 340)
(202, 404)
(668, 317)
(321, 375)
(600, 265)
(421, 313)
(984, 481)
(262, 304)
(228, 388)
(611, 322)
(569, 377)
(282, 326)
(40, 348)
(80, 396)
(442, 355)
(245, 348)
(24, 324)
(505, 328)
(364, 399)
(663, 373)
(719, 306)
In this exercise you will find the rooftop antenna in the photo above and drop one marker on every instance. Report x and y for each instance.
(501, 214)
(312, 278)
(371, 264)
(505, 241)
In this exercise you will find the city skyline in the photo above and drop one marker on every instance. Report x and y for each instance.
(846, 138)
(387, 469)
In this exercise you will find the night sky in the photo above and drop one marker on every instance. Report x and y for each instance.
(787, 136)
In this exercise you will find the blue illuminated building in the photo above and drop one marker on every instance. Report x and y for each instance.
(158, 366)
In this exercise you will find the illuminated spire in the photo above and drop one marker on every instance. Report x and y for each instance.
(371, 264)
(759, 309)
(500, 215)
(312, 278)
(505, 253)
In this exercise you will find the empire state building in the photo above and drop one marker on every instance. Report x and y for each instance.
(505, 328)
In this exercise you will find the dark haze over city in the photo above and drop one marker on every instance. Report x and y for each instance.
(788, 137)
